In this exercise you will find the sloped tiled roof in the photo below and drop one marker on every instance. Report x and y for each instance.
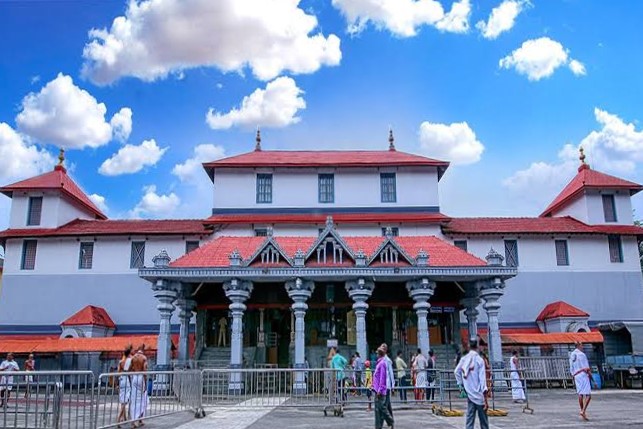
(324, 158)
(588, 178)
(114, 344)
(551, 338)
(533, 225)
(56, 180)
(79, 227)
(216, 252)
(560, 309)
(90, 315)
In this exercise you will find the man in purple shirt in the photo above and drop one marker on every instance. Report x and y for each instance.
(380, 387)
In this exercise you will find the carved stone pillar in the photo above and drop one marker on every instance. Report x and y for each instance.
(491, 292)
(165, 294)
(300, 291)
(421, 291)
(470, 302)
(360, 290)
(186, 307)
(238, 293)
(261, 338)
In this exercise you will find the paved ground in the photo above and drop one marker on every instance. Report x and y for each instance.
(553, 409)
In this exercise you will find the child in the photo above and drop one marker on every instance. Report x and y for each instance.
(368, 382)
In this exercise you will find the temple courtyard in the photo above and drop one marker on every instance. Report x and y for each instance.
(552, 409)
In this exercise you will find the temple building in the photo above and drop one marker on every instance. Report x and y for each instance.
(305, 250)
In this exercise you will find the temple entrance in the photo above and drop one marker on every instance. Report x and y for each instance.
(277, 336)
(379, 328)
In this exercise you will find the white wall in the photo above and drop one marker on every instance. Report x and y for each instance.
(56, 211)
(576, 209)
(588, 208)
(111, 254)
(299, 188)
(347, 229)
(538, 253)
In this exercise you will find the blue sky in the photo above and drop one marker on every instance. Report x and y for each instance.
(508, 105)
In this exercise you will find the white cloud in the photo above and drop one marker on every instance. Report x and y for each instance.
(64, 115)
(100, 202)
(275, 106)
(502, 18)
(404, 17)
(454, 142)
(154, 205)
(132, 159)
(192, 169)
(159, 37)
(577, 68)
(539, 58)
(616, 149)
(18, 158)
(122, 124)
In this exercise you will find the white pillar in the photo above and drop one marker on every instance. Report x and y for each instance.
(421, 291)
(491, 292)
(299, 291)
(186, 308)
(166, 295)
(360, 290)
(237, 292)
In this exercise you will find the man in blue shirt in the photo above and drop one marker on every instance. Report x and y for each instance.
(338, 363)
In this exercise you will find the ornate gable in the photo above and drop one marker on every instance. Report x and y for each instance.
(390, 253)
(269, 253)
(330, 248)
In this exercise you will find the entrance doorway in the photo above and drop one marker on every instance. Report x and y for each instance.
(379, 327)
(278, 337)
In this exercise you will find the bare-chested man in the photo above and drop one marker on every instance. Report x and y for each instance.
(138, 401)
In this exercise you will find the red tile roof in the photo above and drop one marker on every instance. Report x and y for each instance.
(90, 315)
(533, 225)
(551, 338)
(80, 227)
(560, 309)
(216, 252)
(588, 179)
(57, 180)
(321, 218)
(79, 345)
(324, 158)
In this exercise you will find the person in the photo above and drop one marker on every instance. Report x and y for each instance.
(401, 366)
(6, 381)
(30, 365)
(517, 392)
(338, 363)
(380, 387)
(390, 378)
(139, 397)
(368, 382)
(420, 375)
(124, 385)
(580, 370)
(358, 368)
(471, 374)
(458, 355)
(430, 376)
(223, 330)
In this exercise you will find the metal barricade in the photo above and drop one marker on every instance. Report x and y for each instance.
(136, 396)
(546, 370)
(47, 399)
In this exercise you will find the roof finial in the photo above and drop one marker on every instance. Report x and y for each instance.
(61, 160)
(258, 140)
(391, 139)
(582, 159)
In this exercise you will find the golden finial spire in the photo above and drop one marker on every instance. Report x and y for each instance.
(61, 157)
(582, 155)
(258, 139)
(391, 139)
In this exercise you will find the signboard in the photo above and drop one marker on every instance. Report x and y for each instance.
(435, 309)
(331, 343)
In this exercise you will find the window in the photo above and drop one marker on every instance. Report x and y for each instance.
(395, 231)
(461, 244)
(138, 254)
(29, 254)
(616, 249)
(511, 253)
(86, 256)
(562, 255)
(261, 232)
(35, 211)
(609, 208)
(264, 188)
(326, 188)
(191, 245)
(387, 185)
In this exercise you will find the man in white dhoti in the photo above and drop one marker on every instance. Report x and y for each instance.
(138, 397)
(517, 391)
(6, 381)
(580, 370)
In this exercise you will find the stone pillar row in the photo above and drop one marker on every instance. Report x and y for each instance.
(359, 291)
(421, 292)
(299, 291)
